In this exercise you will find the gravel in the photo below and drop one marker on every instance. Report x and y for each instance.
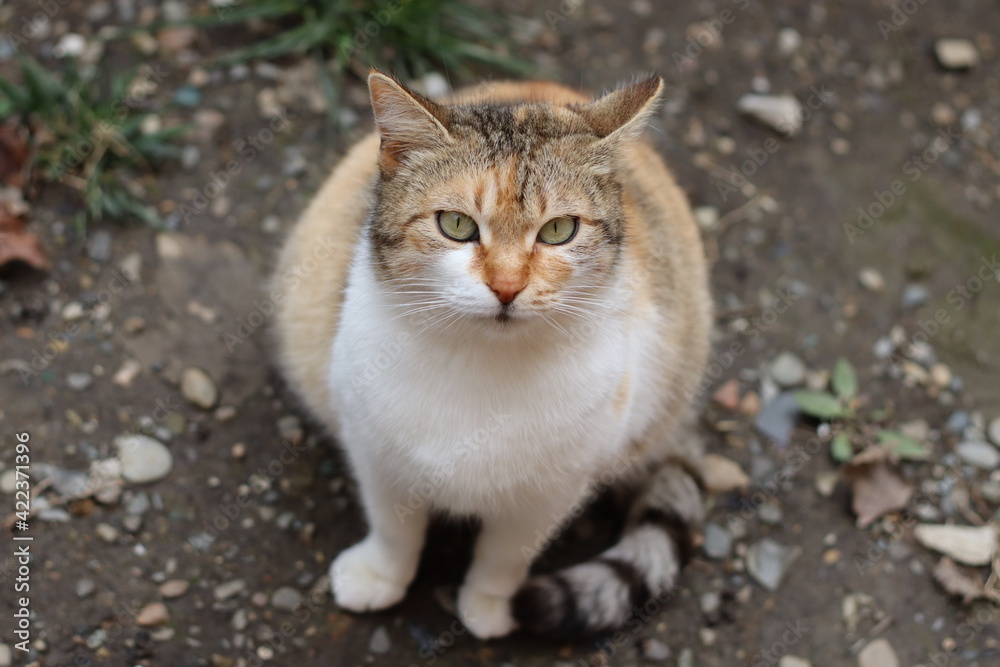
(878, 653)
(380, 641)
(979, 454)
(718, 542)
(653, 650)
(199, 389)
(143, 458)
(777, 419)
(85, 588)
(914, 296)
(793, 661)
(153, 615)
(286, 598)
(993, 431)
(230, 589)
(779, 112)
(107, 533)
(768, 561)
(173, 588)
(788, 370)
(79, 381)
(99, 246)
(956, 53)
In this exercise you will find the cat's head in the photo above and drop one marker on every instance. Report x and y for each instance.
(501, 213)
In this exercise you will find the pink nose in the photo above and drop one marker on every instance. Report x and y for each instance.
(506, 287)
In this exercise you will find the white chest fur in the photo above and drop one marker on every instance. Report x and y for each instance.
(474, 425)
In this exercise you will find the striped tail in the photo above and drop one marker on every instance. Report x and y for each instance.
(605, 593)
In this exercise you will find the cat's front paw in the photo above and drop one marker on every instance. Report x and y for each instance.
(485, 615)
(365, 578)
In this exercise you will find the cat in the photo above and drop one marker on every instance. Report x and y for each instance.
(512, 312)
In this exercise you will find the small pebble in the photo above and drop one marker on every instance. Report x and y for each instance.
(707, 217)
(134, 325)
(85, 588)
(993, 431)
(153, 615)
(380, 641)
(717, 541)
(768, 561)
(97, 639)
(770, 514)
(99, 246)
(956, 53)
(777, 419)
(871, 280)
(239, 620)
(143, 458)
(173, 588)
(878, 653)
(793, 661)
(789, 41)
(788, 370)
(941, 376)
(197, 387)
(79, 381)
(286, 598)
(230, 589)
(914, 296)
(957, 422)
(653, 650)
(107, 533)
(979, 454)
(779, 112)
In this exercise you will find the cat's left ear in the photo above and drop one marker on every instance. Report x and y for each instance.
(622, 114)
(406, 121)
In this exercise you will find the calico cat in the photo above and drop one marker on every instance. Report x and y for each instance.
(512, 311)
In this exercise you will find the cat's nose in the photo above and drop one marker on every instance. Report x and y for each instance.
(506, 287)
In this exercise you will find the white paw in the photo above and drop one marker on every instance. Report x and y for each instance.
(486, 616)
(365, 578)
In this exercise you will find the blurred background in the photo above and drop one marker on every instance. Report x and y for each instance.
(844, 165)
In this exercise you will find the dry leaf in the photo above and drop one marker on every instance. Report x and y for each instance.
(956, 582)
(877, 488)
(14, 153)
(16, 242)
(970, 545)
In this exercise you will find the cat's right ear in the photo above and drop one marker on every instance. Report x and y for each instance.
(406, 121)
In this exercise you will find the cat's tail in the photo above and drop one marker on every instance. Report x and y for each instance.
(631, 580)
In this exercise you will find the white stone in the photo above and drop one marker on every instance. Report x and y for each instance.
(788, 370)
(143, 458)
(779, 112)
(793, 661)
(993, 431)
(198, 388)
(956, 53)
(722, 475)
(878, 653)
(979, 454)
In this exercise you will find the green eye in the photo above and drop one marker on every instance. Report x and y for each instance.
(558, 230)
(457, 226)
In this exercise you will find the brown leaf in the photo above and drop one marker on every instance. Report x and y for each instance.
(957, 582)
(14, 153)
(16, 242)
(877, 488)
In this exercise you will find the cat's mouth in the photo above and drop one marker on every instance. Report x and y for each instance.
(504, 315)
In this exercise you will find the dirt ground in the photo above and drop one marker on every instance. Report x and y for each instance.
(258, 500)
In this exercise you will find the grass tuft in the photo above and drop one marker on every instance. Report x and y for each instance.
(99, 143)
